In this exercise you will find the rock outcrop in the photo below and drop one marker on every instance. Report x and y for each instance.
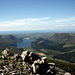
(29, 56)
(28, 63)
(6, 52)
(38, 65)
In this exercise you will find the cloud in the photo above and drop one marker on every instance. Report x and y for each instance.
(22, 22)
(63, 20)
(72, 25)
(58, 20)
(9, 24)
(34, 19)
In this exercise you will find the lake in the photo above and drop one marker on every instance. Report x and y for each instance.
(25, 43)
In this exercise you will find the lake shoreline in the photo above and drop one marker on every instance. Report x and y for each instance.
(26, 42)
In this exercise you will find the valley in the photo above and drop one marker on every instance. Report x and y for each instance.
(58, 47)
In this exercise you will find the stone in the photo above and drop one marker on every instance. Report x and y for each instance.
(43, 60)
(29, 57)
(11, 65)
(52, 64)
(42, 67)
(33, 57)
(16, 57)
(24, 56)
(28, 63)
(15, 74)
(6, 52)
(23, 63)
(67, 73)
(4, 57)
(37, 61)
(1, 71)
(6, 68)
(19, 63)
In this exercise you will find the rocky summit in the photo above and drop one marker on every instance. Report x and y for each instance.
(28, 63)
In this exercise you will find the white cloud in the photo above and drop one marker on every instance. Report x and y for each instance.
(45, 18)
(35, 23)
(22, 22)
(9, 24)
(58, 20)
(63, 20)
(34, 19)
(72, 25)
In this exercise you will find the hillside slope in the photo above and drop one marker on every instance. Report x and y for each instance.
(54, 49)
(63, 38)
(7, 40)
(67, 56)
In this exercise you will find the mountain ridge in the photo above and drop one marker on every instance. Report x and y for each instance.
(7, 40)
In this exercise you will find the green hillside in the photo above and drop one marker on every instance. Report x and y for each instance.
(7, 40)
(63, 38)
(54, 49)
(41, 43)
(67, 56)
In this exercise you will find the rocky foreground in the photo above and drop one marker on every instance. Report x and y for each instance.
(27, 63)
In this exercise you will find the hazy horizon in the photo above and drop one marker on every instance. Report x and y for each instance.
(35, 31)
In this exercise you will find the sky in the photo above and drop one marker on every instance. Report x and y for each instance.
(19, 15)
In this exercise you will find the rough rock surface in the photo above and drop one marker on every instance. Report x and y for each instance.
(27, 63)
(7, 52)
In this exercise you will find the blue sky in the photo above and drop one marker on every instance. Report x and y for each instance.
(37, 15)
